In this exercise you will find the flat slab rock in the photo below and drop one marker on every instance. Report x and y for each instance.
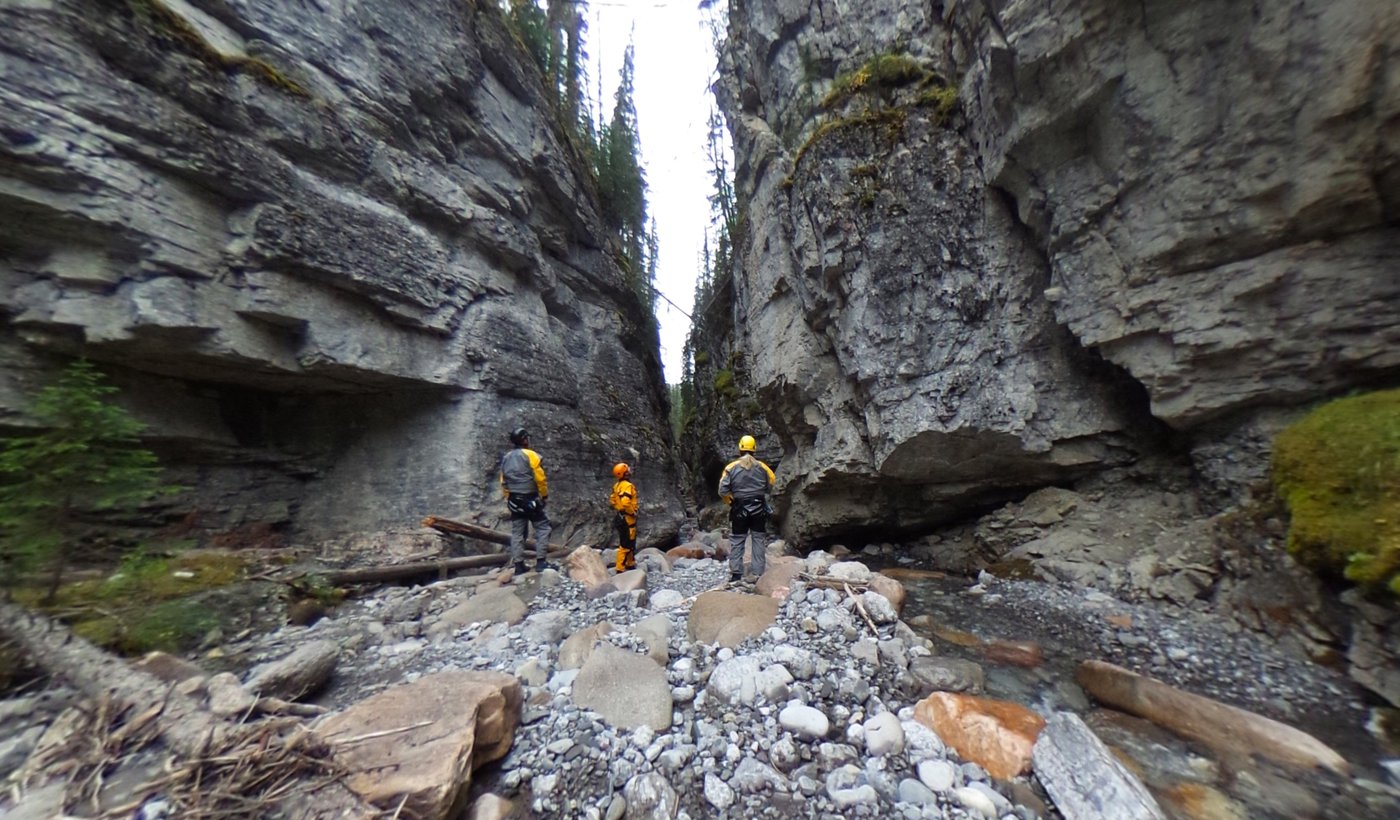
(1084, 778)
(416, 745)
(627, 689)
(727, 618)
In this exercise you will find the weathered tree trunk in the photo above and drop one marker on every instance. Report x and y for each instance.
(398, 572)
(184, 725)
(474, 531)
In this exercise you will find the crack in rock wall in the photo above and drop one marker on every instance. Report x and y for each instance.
(1140, 219)
(331, 254)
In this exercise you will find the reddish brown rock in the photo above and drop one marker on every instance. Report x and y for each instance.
(776, 581)
(685, 551)
(586, 566)
(995, 734)
(1222, 727)
(1025, 654)
(412, 748)
(956, 637)
(890, 588)
(726, 618)
(1198, 801)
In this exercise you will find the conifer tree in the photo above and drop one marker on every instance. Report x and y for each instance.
(621, 180)
(88, 458)
(530, 24)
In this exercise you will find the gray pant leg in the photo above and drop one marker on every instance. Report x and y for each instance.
(736, 552)
(542, 529)
(760, 550)
(518, 528)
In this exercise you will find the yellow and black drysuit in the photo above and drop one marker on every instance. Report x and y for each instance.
(745, 486)
(624, 500)
(524, 485)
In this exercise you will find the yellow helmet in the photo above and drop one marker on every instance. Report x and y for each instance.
(746, 444)
(621, 469)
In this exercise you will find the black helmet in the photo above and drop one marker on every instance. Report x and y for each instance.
(518, 436)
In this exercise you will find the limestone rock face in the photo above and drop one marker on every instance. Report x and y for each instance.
(331, 255)
(1123, 222)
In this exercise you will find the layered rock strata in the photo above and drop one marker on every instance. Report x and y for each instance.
(331, 254)
(1134, 222)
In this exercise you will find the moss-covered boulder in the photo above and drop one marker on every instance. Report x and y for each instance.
(1338, 470)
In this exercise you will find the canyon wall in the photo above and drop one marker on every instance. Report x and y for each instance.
(331, 253)
(992, 246)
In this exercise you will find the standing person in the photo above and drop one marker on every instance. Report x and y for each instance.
(745, 486)
(526, 490)
(624, 500)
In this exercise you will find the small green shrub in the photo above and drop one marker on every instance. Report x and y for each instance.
(1338, 470)
(86, 458)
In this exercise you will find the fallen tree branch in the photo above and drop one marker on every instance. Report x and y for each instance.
(277, 706)
(474, 531)
(827, 582)
(861, 607)
(385, 733)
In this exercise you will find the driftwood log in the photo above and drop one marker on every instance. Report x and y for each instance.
(440, 566)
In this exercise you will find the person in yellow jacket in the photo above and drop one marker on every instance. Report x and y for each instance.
(624, 500)
(744, 486)
(526, 489)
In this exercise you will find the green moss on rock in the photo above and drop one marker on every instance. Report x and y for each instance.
(942, 99)
(882, 72)
(1338, 470)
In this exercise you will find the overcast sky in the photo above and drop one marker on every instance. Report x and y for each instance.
(674, 66)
